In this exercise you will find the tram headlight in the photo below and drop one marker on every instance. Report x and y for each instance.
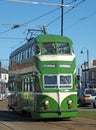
(69, 102)
(46, 102)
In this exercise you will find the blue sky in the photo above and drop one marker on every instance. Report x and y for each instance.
(79, 25)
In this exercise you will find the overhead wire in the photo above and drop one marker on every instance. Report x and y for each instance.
(41, 16)
(82, 19)
(12, 38)
(38, 3)
(66, 12)
(5, 31)
(35, 2)
(72, 1)
(15, 27)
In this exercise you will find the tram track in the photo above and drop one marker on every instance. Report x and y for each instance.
(61, 126)
(14, 121)
(4, 126)
(74, 124)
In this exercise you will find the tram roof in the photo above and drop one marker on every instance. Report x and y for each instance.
(42, 38)
(25, 45)
(53, 38)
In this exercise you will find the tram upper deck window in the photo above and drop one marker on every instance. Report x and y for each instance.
(35, 50)
(63, 48)
(49, 48)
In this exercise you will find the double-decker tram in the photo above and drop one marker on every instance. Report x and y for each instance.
(42, 77)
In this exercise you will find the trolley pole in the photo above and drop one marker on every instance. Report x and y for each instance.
(62, 11)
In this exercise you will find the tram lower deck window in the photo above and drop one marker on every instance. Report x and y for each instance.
(50, 81)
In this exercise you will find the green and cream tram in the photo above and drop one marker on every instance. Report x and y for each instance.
(42, 78)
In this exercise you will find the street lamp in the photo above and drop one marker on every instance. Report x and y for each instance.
(87, 61)
(85, 66)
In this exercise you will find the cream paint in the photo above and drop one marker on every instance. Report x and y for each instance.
(59, 96)
(56, 58)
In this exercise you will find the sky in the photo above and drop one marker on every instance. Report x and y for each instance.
(79, 24)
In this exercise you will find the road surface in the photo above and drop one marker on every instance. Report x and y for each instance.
(13, 121)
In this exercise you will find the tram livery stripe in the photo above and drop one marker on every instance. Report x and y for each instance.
(60, 95)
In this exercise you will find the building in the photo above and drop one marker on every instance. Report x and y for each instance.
(3, 83)
(4, 76)
(89, 75)
(92, 74)
(85, 75)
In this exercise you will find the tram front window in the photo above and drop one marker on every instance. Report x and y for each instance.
(49, 48)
